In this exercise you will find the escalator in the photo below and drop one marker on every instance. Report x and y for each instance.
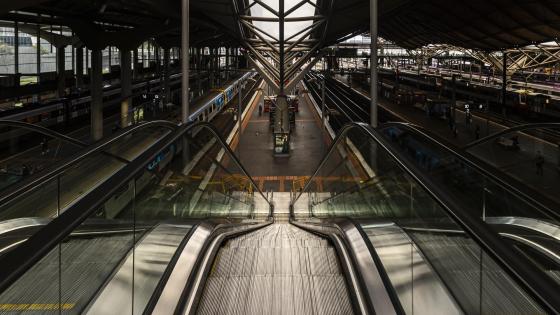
(279, 269)
(443, 231)
(183, 229)
(26, 149)
(36, 199)
(518, 214)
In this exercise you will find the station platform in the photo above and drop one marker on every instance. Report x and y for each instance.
(281, 174)
(522, 166)
(14, 167)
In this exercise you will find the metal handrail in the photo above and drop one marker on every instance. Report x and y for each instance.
(20, 191)
(229, 152)
(42, 130)
(53, 134)
(539, 285)
(469, 160)
(18, 261)
(510, 130)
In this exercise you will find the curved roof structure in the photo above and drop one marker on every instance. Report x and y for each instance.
(479, 24)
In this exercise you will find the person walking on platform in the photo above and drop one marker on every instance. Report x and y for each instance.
(260, 109)
(477, 132)
(45, 146)
(539, 162)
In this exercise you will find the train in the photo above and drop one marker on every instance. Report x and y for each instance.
(58, 112)
(523, 101)
(213, 106)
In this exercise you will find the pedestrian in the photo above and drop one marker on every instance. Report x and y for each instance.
(539, 162)
(455, 131)
(558, 152)
(477, 132)
(260, 109)
(45, 146)
(515, 142)
(25, 170)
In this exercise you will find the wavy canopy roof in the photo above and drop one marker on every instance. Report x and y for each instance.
(481, 24)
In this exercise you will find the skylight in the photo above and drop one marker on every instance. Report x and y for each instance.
(290, 28)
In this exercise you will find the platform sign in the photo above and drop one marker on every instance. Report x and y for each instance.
(281, 144)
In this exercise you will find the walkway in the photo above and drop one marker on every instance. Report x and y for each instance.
(281, 174)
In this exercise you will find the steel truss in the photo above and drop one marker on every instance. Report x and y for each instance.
(282, 60)
(518, 59)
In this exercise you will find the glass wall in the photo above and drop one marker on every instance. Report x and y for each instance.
(7, 51)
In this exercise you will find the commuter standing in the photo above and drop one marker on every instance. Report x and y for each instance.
(539, 162)
(260, 109)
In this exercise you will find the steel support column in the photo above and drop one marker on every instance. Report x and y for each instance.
(504, 83)
(96, 88)
(212, 69)
(135, 60)
(166, 75)
(323, 114)
(16, 53)
(126, 86)
(185, 60)
(239, 123)
(61, 71)
(79, 66)
(281, 17)
(227, 63)
(38, 58)
(373, 62)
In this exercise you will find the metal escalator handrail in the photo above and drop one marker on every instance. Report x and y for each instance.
(18, 261)
(53, 134)
(486, 171)
(540, 286)
(42, 130)
(19, 191)
(510, 130)
(230, 153)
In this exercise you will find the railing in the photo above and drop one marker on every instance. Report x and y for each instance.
(379, 183)
(49, 182)
(163, 186)
(484, 181)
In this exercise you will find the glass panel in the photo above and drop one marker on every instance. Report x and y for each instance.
(95, 256)
(85, 175)
(430, 259)
(37, 291)
(25, 214)
(531, 156)
(24, 153)
(113, 261)
(520, 222)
